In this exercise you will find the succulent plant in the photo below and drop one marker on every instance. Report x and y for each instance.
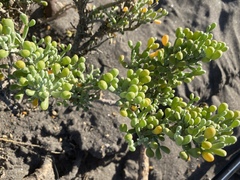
(42, 70)
(147, 97)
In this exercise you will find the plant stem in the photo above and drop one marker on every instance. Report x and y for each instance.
(143, 171)
(82, 25)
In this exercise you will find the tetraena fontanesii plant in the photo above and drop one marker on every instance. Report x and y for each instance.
(98, 24)
(41, 69)
(147, 97)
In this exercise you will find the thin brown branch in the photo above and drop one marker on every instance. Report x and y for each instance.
(58, 13)
(85, 45)
(82, 44)
(19, 143)
(82, 25)
(25, 144)
(102, 31)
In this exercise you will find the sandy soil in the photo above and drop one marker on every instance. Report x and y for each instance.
(69, 144)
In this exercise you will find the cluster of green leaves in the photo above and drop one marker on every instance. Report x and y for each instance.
(128, 15)
(147, 97)
(42, 68)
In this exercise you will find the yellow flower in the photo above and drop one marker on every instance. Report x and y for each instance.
(207, 156)
(2, 76)
(157, 130)
(165, 39)
(153, 54)
(35, 102)
(150, 2)
(157, 21)
(125, 9)
(134, 108)
(144, 10)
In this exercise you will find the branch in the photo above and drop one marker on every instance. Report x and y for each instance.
(26, 144)
(102, 31)
(107, 6)
(20, 143)
(82, 24)
(58, 13)
(143, 171)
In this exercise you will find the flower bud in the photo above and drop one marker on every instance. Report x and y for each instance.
(144, 10)
(235, 123)
(157, 130)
